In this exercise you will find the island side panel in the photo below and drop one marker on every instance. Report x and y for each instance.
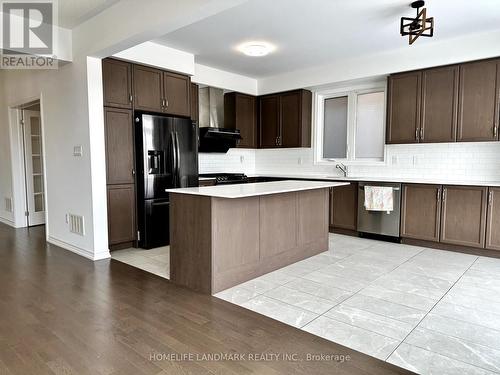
(313, 209)
(235, 241)
(280, 228)
(190, 246)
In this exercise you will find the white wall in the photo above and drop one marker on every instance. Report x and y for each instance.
(225, 80)
(65, 121)
(154, 54)
(157, 55)
(465, 48)
(5, 162)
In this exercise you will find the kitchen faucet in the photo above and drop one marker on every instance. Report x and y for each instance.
(343, 168)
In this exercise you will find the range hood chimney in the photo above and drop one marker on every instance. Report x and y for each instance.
(211, 101)
(213, 136)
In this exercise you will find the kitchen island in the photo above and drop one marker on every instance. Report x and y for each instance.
(221, 236)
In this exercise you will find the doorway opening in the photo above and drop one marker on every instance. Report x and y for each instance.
(32, 163)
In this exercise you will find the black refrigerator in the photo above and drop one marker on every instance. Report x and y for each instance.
(166, 157)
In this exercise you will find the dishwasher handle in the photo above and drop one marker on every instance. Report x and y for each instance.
(363, 188)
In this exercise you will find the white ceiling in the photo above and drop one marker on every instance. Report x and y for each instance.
(318, 32)
(73, 12)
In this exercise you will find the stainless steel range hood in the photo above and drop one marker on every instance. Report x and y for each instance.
(214, 137)
(211, 101)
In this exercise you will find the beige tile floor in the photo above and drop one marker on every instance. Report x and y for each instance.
(156, 261)
(430, 311)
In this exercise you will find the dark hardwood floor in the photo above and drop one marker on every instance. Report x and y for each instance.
(63, 314)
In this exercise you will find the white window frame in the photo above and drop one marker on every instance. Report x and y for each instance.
(352, 93)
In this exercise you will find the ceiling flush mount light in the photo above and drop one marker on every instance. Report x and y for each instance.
(256, 49)
(418, 26)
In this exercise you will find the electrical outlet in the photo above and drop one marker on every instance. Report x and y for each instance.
(394, 160)
(242, 159)
(77, 151)
(299, 161)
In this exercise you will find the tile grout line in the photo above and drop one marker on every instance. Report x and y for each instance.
(421, 320)
(356, 293)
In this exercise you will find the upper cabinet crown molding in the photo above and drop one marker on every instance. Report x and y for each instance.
(445, 104)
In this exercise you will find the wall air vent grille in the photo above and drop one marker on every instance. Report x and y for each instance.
(8, 204)
(76, 224)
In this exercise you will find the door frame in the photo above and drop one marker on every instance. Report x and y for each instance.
(16, 136)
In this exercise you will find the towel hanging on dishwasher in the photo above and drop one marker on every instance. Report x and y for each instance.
(379, 198)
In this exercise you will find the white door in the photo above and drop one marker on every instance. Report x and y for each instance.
(35, 191)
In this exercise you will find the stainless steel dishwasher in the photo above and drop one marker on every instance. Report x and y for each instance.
(379, 222)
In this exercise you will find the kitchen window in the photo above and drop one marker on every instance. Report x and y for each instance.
(350, 125)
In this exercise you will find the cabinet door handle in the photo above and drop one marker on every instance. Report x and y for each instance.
(490, 198)
(495, 130)
(130, 98)
(421, 134)
(416, 134)
(444, 195)
(166, 102)
(439, 194)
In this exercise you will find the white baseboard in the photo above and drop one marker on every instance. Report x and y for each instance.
(7, 222)
(78, 250)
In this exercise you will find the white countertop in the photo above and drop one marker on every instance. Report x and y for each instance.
(256, 189)
(414, 180)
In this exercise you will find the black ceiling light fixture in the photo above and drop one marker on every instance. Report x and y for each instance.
(418, 26)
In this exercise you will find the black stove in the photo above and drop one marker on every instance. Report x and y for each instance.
(226, 178)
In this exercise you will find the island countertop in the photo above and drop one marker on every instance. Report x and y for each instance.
(256, 189)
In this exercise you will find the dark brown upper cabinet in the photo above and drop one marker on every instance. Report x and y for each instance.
(285, 119)
(421, 212)
(403, 107)
(463, 215)
(148, 89)
(295, 110)
(479, 100)
(439, 105)
(176, 94)
(493, 221)
(119, 146)
(269, 121)
(195, 110)
(344, 207)
(160, 91)
(240, 112)
(117, 83)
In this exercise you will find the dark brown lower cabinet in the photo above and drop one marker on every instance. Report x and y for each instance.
(421, 211)
(121, 214)
(344, 207)
(493, 221)
(463, 216)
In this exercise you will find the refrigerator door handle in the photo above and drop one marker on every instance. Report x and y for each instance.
(178, 148)
(174, 159)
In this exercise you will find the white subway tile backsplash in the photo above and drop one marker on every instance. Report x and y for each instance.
(234, 161)
(474, 162)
